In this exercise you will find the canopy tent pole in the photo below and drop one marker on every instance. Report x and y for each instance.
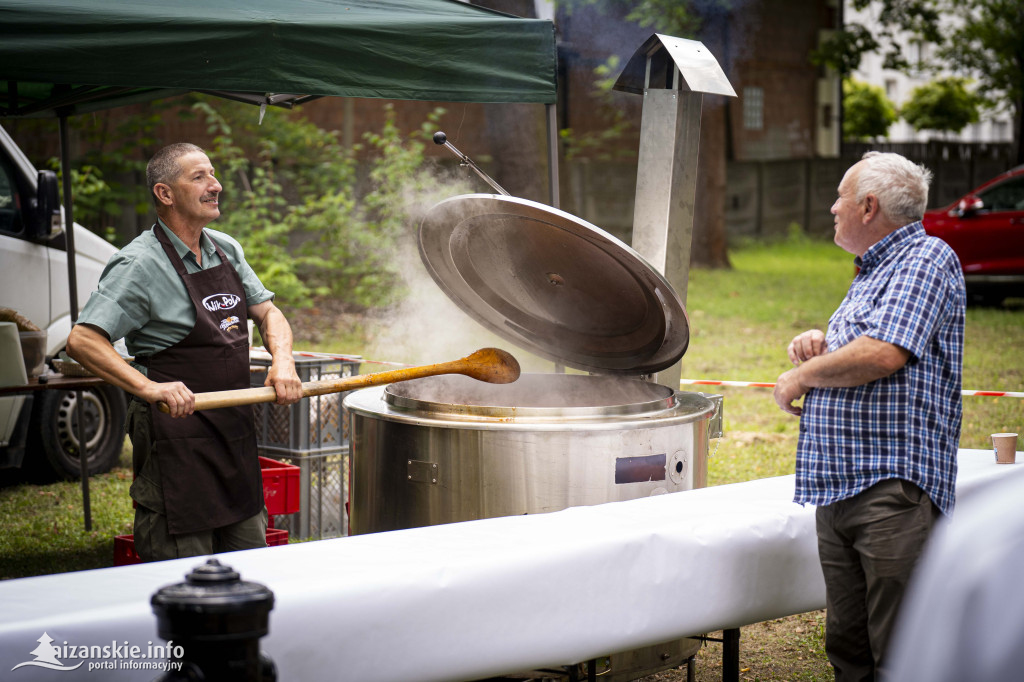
(553, 155)
(552, 121)
(69, 237)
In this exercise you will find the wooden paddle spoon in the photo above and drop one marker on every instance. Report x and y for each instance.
(492, 365)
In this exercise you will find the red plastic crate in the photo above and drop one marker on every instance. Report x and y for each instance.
(276, 536)
(125, 555)
(280, 486)
(124, 551)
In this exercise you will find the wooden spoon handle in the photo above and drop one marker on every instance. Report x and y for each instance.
(492, 365)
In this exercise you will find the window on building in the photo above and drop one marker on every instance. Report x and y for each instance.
(919, 54)
(1000, 131)
(753, 108)
(890, 88)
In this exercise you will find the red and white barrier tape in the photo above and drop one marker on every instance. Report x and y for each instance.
(689, 382)
(762, 384)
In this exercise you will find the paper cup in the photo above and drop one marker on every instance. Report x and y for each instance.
(1005, 445)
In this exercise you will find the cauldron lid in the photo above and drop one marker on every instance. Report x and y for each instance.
(553, 284)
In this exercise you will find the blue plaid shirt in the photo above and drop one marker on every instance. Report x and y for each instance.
(909, 292)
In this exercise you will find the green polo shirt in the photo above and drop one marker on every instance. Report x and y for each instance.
(140, 296)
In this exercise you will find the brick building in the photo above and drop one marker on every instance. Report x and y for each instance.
(785, 115)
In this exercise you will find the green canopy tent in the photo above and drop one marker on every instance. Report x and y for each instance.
(59, 58)
(66, 54)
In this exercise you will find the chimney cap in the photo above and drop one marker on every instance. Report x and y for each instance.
(698, 68)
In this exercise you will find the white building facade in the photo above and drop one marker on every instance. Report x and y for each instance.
(993, 126)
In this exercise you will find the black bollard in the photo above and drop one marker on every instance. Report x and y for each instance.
(213, 623)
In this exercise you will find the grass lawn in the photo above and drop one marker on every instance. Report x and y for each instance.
(740, 323)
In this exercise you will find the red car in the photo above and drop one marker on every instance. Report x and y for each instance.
(986, 230)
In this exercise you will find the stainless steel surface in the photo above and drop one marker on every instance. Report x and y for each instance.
(554, 284)
(423, 472)
(672, 73)
(698, 68)
(666, 185)
(716, 427)
(496, 458)
(442, 139)
(534, 397)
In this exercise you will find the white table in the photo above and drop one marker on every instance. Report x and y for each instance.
(471, 600)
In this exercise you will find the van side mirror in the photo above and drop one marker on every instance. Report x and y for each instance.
(44, 222)
(969, 205)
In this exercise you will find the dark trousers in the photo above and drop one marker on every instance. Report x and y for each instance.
(153, 541)
(868, 545)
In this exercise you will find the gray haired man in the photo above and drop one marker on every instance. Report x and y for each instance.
(880, 420)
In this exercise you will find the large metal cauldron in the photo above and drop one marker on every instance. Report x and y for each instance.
(446, 449)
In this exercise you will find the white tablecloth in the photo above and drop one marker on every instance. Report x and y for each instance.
(470, 600)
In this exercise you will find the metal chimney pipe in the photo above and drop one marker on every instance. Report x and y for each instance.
(672, 74)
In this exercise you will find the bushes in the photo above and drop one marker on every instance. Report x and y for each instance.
(292, 198)
(868, 112)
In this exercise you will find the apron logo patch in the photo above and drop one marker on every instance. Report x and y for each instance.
(220, 302)
(229, 323)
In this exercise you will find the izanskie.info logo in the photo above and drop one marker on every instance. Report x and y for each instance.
(113, 656)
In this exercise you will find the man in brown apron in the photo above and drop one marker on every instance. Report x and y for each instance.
(181, 295)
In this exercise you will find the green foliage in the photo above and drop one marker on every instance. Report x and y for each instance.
(671, 16)
(985, 40)
(353, 244)
(682, 19)
(980, 37)
(310, 223)
(292, 198)
(944, 105)
(253, 204)
(91, 195)
(867, 112)
(113, 165)
(843, 49)
(601, 144)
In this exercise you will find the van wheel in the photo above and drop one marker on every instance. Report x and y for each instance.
(55, 430)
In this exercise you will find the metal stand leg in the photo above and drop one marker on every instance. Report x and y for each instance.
(83, 459)
(69, 236)
(691, 669)
(731, 655)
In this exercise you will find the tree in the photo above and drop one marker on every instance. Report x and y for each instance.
(291, 198)
(988, 41)
(867, 112)
(980, 37)
(944, 105)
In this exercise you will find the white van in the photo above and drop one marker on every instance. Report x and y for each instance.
(43, 436)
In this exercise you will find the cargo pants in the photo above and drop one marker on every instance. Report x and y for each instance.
(153, 542)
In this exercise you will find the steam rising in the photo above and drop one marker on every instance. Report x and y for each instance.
(534, 391)
(427, 327)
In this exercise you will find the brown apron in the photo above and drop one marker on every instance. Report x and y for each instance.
(208, 464)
